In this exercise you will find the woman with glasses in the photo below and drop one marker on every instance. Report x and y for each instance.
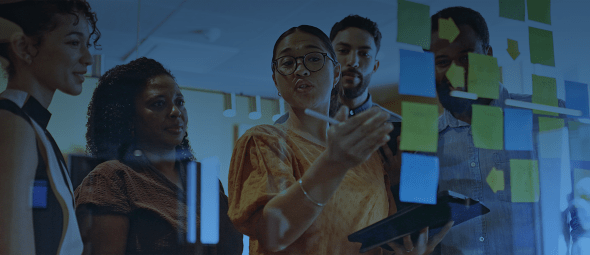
(302, 187)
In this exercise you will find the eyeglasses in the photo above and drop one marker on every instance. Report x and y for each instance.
(313, 61)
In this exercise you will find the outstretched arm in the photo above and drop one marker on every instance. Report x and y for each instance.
(289, 214)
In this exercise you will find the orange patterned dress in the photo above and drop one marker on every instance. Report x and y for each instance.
(269, 159)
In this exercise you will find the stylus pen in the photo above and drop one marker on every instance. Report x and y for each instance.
(320, 116)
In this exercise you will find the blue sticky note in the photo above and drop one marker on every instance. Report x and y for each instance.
(576, 97)
(419, 178)
(416, 74)
(518, 129)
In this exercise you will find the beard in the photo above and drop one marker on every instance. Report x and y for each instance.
(456, 105)
(356, 91)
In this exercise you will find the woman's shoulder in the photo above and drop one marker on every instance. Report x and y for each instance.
(18, 138)
(266, 132)
(110, 168)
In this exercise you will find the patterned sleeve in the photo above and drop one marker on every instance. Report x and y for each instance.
(260, 168)
(104, 189)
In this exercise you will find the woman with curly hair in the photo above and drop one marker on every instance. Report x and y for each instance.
(134, 203)
(43, 48)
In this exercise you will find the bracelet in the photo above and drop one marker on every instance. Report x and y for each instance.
(308, 197)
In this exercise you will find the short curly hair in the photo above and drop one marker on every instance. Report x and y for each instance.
(36, 18)
(111, 110)
(358, 22)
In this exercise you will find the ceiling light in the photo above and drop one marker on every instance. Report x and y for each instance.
(229, 105)
(281, 109)
(255, 108)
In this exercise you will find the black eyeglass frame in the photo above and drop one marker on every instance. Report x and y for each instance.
(275, 62)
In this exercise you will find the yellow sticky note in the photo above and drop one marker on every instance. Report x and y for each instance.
(487, 127)
(456, 75)
(483, 77)
(496, 179)
(524, 180)
(419, 127)
(544, 92)
(447, 29)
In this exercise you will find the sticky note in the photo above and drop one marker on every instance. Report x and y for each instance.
(579, 141)
(447, 29)
(576, 97)
(413, 23)
(544, 92)
(512, 9)
(419, 127)
(456, 76)
(416, 74)
(495, 179)
(541, 46)
(539, 10)
(524, 180)
(518, 129)
(513, 49)
(483, 77)
(551, 137)
(487, 127)
(418, 178)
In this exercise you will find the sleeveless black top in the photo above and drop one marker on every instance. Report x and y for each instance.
(54, 221)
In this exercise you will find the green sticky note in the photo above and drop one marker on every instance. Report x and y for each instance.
(579, 139)
(541, 46)
(547, 124)
(544, 92)
(539, 10)
(512, 9)
(487, 127)
(419, 127)
(413, 23)
(483, 77)
(524, 180)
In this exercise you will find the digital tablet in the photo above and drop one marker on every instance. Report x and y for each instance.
(450, 206)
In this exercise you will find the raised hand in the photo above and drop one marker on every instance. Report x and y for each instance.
(354, 140)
